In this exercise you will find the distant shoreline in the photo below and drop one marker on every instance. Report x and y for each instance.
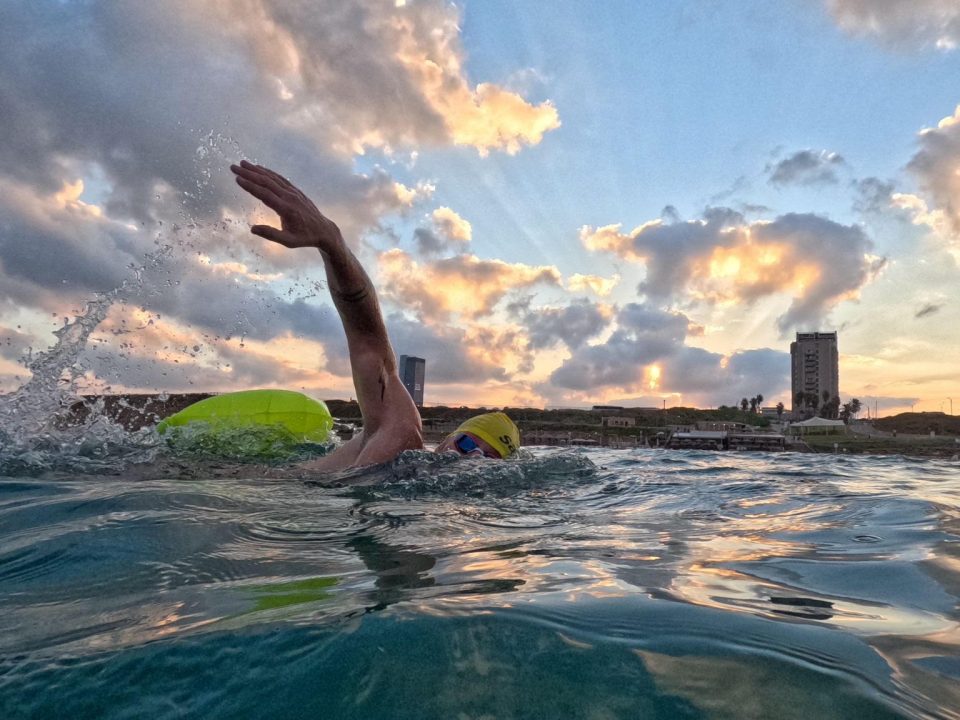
(904, 434)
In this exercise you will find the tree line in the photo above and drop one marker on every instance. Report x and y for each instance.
(810, 403)
(827, 407)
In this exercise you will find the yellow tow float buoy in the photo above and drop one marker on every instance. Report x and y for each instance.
(251, 422)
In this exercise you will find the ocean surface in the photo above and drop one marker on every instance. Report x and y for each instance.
(594, 584)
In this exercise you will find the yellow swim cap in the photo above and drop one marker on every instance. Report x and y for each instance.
(496, 429)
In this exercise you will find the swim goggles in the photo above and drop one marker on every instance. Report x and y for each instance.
(466, 445)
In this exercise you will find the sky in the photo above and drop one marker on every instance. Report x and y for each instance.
(561, 204)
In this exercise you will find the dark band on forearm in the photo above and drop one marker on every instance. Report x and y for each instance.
(353, 297)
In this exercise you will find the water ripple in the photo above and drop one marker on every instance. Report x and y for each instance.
(705, 578)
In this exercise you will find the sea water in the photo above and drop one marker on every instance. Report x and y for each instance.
(601, 584)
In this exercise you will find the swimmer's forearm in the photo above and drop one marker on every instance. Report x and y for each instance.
(353, 294)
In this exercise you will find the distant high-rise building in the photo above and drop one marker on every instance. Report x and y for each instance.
(412, 373)
(814, 362)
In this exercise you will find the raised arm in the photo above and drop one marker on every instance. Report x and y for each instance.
(390, 419)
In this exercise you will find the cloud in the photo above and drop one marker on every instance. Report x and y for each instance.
(747, 373)
(883, 402)
(901, 24)
(647, 354)
(927, 310)
(93, 84)
(51, 251)
(54, 245)
(56, 251)
(873, 195)
(594, 283)
(463, 285)
(806, 167)
(572, 324)
(644, 335)
(451, 225)
(154, 101)
(450, 352)
(938, 221)
(723, 259)
(935, 165)
(450, 233)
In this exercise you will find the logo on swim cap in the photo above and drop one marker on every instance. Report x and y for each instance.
(496, 429)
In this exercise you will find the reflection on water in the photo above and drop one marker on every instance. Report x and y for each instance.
(600, 584)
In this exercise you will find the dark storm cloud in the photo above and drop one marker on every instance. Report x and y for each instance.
(806, 167)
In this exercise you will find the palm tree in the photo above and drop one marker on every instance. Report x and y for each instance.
(759, 401)
(743, 404)
(830, 408)
(779, 410)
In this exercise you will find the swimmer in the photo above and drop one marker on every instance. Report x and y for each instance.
(391, 421)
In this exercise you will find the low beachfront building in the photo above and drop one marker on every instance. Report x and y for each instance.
(817, 425)
(722, 425)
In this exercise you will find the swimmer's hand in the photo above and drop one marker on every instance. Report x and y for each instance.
(301, 224)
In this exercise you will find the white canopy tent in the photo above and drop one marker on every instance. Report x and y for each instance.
(818, 424)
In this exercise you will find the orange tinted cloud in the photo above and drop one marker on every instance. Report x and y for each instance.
(137, 348)
(594, 283)
(451, 225)
(723, 259)
(486, 116)
(609, 239)
(937, 166)
(463, 285)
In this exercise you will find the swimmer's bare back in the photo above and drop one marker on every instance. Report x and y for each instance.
(391, 422)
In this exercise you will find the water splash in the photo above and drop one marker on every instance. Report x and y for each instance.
(40, 427)
(46, 423)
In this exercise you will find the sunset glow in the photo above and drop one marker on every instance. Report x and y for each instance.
(549, 220)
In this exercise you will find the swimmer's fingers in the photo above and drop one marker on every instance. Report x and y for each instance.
(277, 177)
(262, 192)
(278, 236)
(266, 177)
(275, 182)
